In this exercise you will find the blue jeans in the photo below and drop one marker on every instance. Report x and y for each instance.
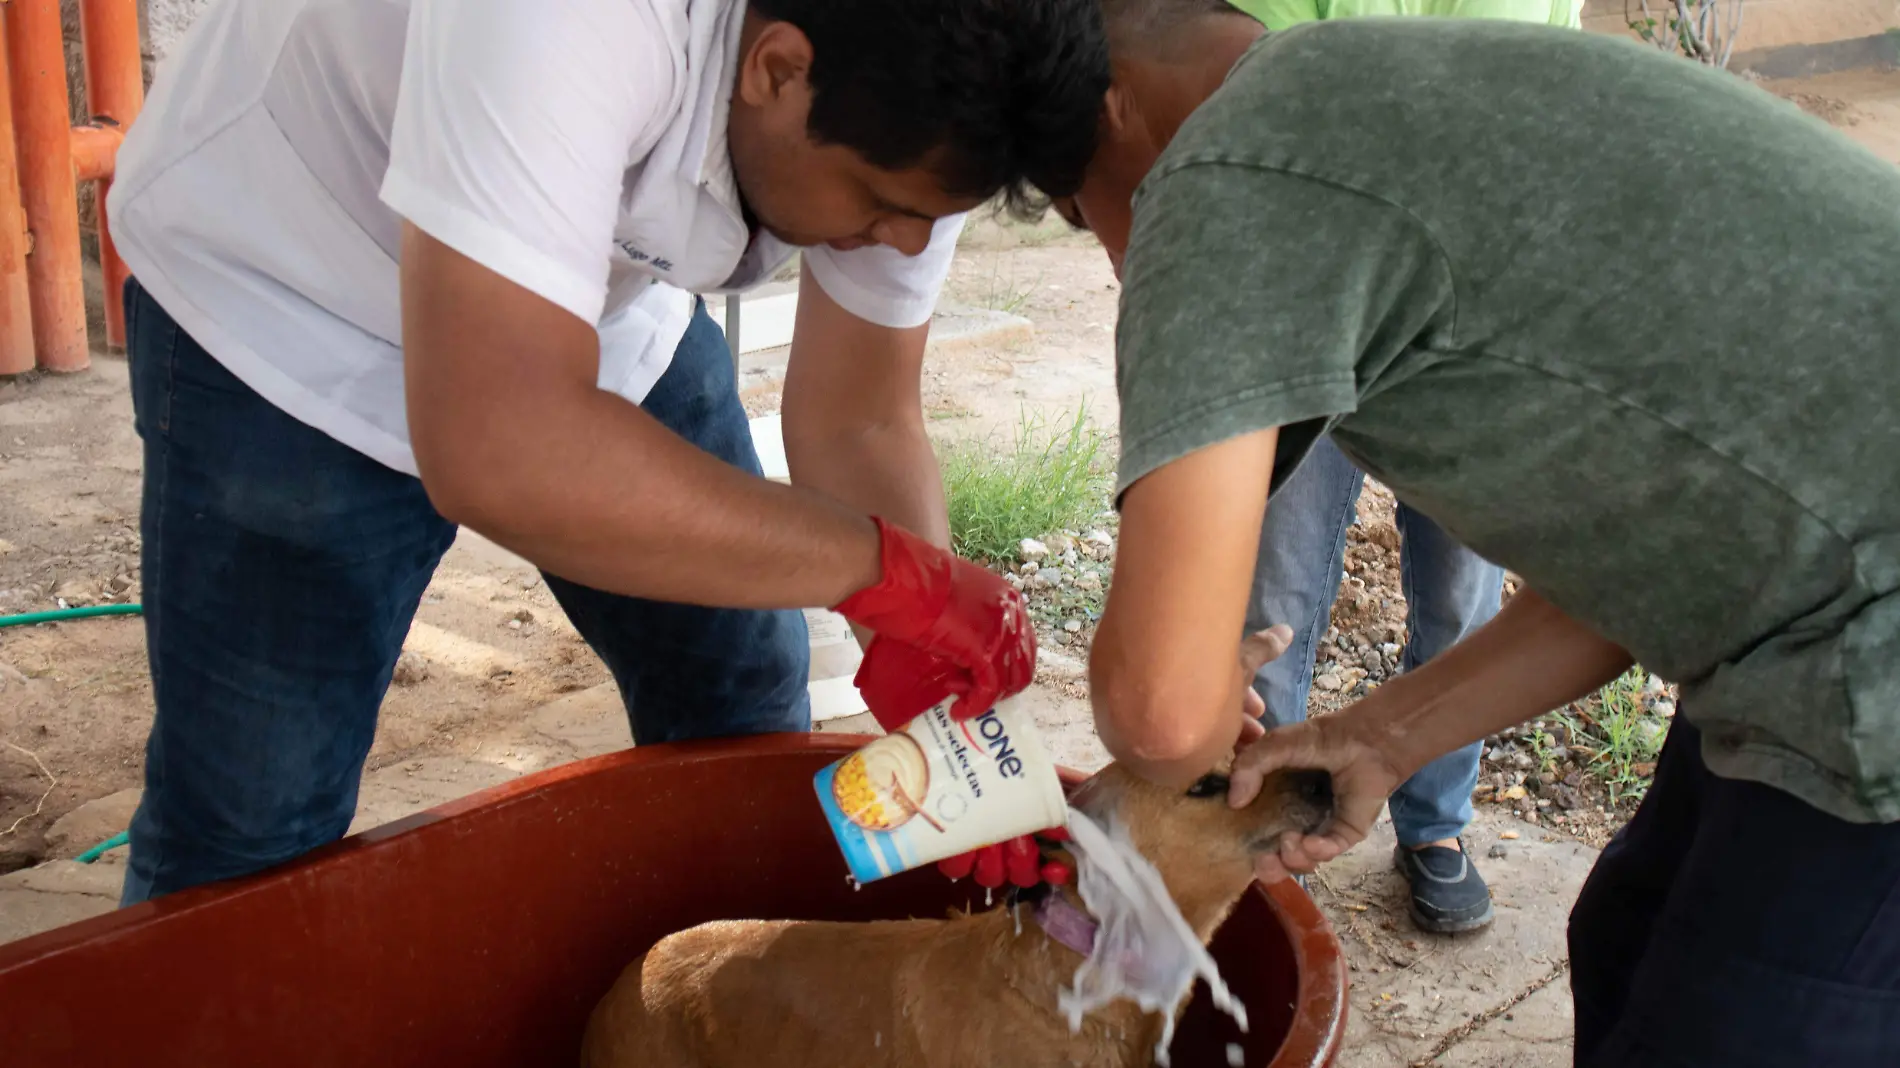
(281, 571)
(1450, 591)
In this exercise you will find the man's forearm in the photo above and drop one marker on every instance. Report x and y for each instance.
(853, 416)
(1530, 659)
(888, 471)
(598, 492)
(512, 438)
(1162, 675)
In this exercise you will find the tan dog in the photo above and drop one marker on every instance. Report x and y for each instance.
(966, 992)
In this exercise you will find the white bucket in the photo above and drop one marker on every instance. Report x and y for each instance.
(938, 787)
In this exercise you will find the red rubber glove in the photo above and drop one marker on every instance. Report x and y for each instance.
(944, 626)
(898, 682)
(1019, 861)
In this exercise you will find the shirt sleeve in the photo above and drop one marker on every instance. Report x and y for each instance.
(882, 285)
(1258, 299)
(514, 124)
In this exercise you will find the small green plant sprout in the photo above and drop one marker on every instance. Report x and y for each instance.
(1621, 736)
(1542, 745)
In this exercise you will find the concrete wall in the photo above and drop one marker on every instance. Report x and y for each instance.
(161, 24)
(164, 21)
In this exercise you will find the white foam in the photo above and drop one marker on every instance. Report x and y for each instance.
(1144, 950)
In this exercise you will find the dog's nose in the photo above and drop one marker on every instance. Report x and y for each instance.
(1315, 787)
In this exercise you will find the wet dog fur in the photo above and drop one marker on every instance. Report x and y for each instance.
(964, 992)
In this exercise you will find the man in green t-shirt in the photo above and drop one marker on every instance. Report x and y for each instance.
(1621, 323)
(1450, 591)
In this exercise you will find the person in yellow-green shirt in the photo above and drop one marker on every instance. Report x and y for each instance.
(1279, 14)
(1450, 591)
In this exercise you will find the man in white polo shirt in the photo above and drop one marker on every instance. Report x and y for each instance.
(403, 265)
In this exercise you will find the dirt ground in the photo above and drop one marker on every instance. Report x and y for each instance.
(489, 643)
(76, 699)
(1863, 104)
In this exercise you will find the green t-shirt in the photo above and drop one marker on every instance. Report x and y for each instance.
(1279, 14)
(1621, 323)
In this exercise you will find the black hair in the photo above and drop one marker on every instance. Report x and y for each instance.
(995, 96)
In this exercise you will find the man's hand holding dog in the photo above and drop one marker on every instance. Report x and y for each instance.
(1349, 745)
(1528, 660)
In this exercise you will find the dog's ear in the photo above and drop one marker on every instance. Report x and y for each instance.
(1213, 784)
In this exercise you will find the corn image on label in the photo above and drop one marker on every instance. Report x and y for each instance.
(938, 787)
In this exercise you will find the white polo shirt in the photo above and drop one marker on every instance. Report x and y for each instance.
(576, 148)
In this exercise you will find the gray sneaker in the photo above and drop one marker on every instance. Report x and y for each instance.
(1448, 894)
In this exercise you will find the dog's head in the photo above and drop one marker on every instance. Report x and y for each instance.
(1204, 848)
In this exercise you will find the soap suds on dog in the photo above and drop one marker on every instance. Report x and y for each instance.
(1144, 950)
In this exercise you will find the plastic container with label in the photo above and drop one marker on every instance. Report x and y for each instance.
(938, 787)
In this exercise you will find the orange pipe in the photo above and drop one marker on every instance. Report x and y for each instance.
(93, 150)
(115, 90)
(16, 311)
(42, 131)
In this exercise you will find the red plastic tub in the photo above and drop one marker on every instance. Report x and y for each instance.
(481, 933)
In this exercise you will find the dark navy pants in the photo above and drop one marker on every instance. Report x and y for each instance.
(1730, 925)
(281, 571)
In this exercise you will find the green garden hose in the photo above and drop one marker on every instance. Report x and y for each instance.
(57, 615)
(99, 850)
